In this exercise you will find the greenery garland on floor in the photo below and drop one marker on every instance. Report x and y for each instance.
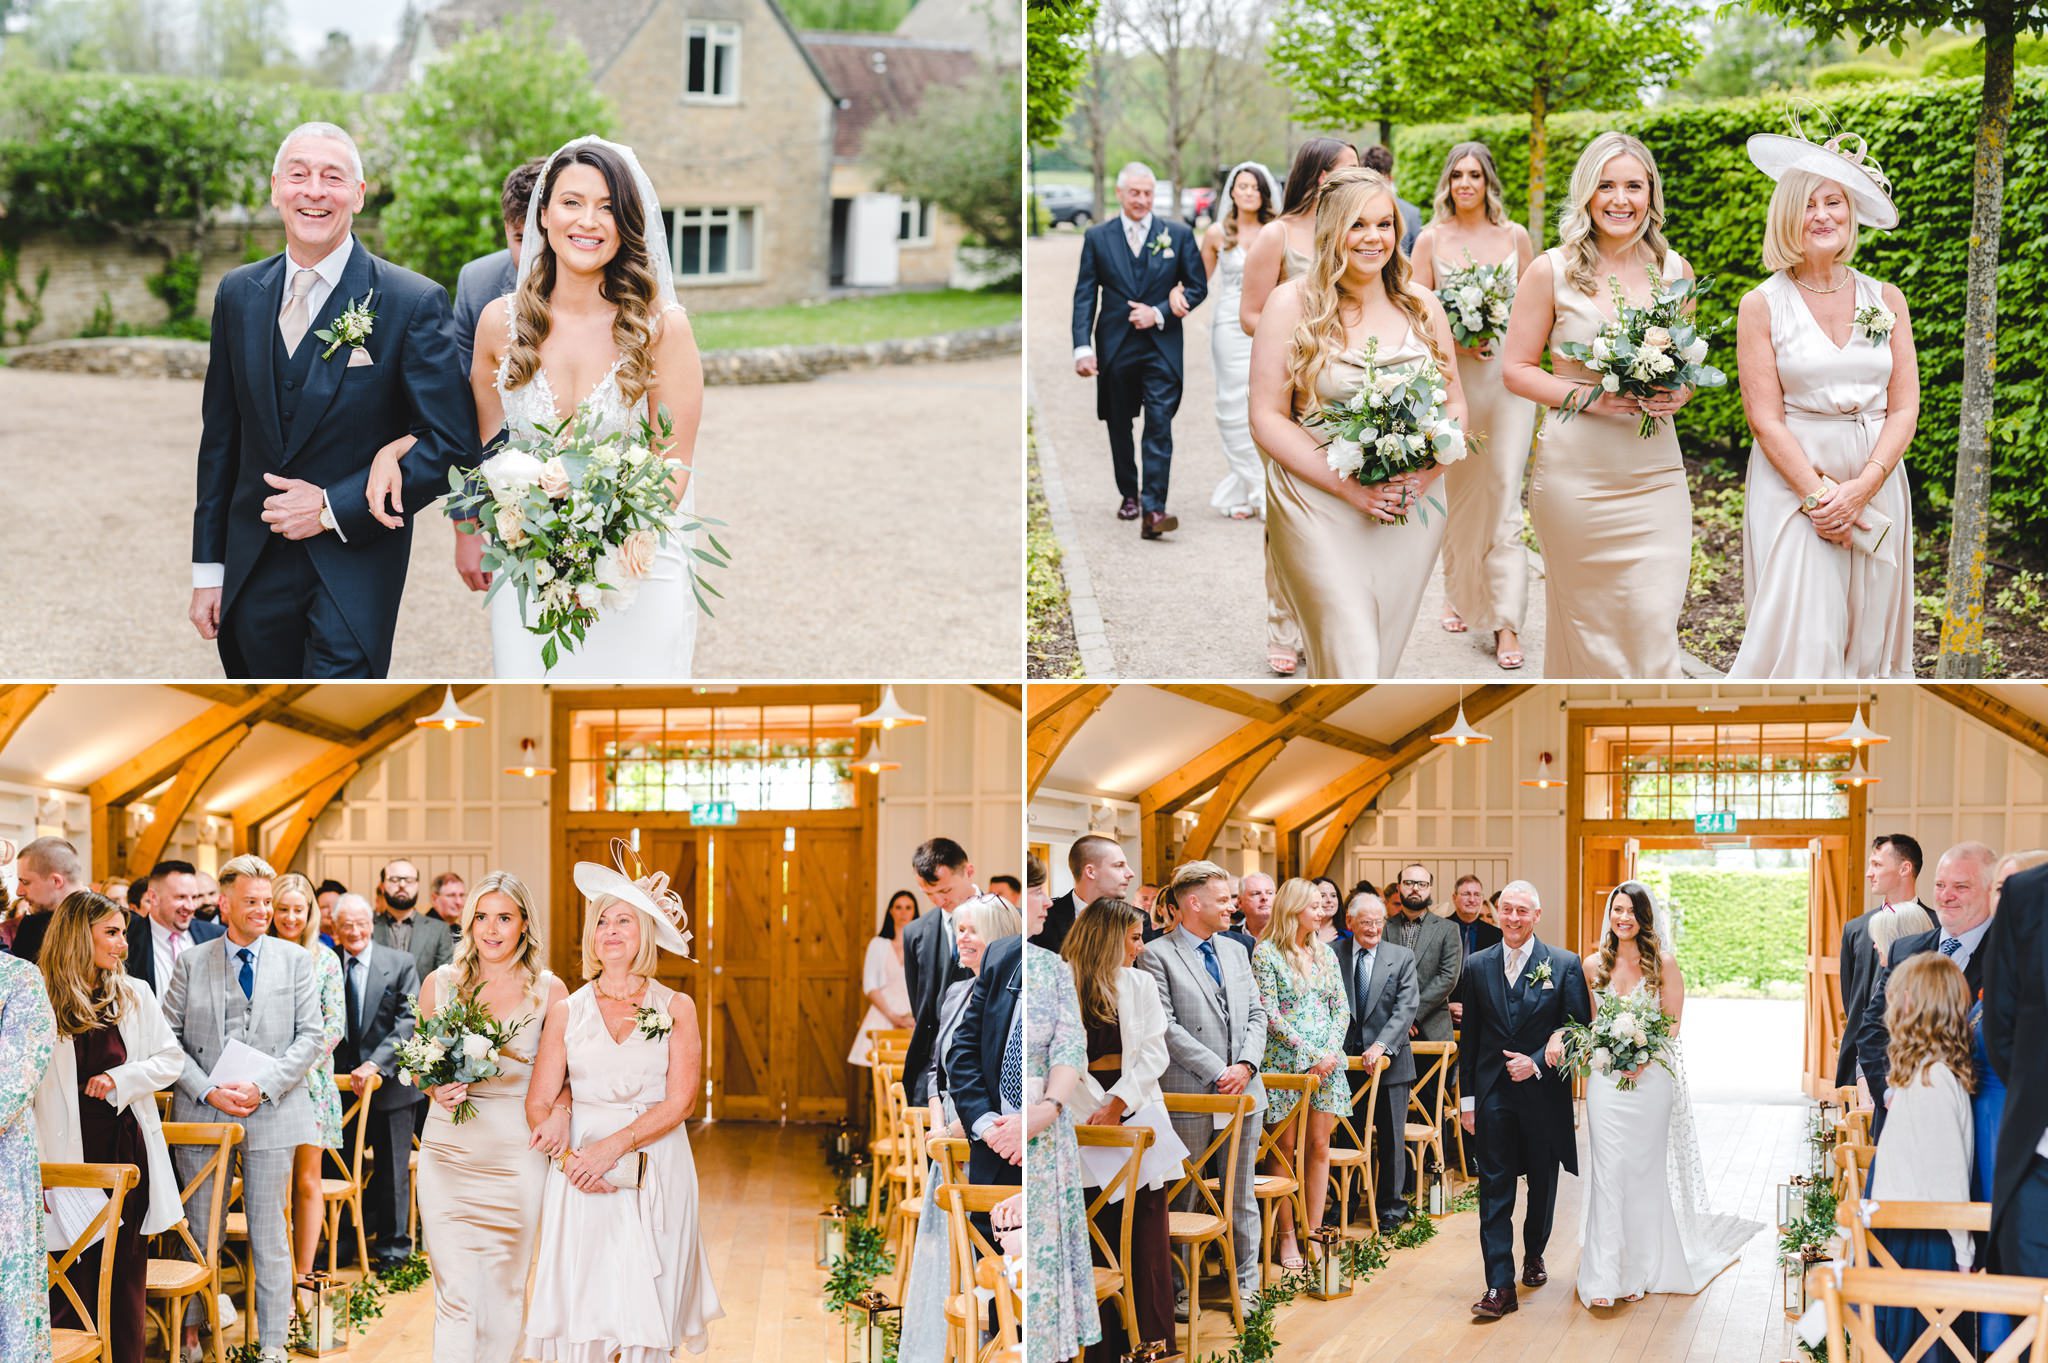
(1259, 1343)
(865, 1258)
(363, 1301)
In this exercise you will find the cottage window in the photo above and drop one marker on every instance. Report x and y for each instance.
(711, 62)
(914, 226)
(712, 244)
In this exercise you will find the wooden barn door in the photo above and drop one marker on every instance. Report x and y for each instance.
(823, 1002)
(746, 936)
(675, 850)
(1830, 904)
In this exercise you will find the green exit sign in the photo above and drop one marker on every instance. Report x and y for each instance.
(714, 813)
(1714, 821)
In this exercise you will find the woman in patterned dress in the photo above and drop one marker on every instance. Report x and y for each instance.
(1306, 1015)
(1059, 1277)
(295, 916)
(28, 1033)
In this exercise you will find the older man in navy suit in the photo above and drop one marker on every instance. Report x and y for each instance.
(1127, 337)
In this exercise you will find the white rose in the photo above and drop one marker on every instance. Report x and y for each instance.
(1499, 313)
(1611, 382)
(405, 1078)
(1657, 338)
(1357, 403)
(1695, 351)
(476, 1047)
(635, 554)
(589, 595)
(1472, 296)
(437, 1051)
(1386, 382)
(1450, 444)
(1390, 446)
(509, 473)
(511, 527)
(1602, 1059)
(554, 479)
(543, 573)
(1439, 396)
(1602, 350)
(1661, 363)
(1346, 457)
(1414, 442)
(1376, 398)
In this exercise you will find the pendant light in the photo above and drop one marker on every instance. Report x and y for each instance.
(1858, 776)
(450, 716)
(874, 764)
(1546, 777)
(529, 761)
(1858, 734)
(888, 715)
(1461, 734)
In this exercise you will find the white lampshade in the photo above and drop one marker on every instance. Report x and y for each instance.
(450, 716)
(529, 761)
(1858, 734)
(1461, 734)
(1859, 775)
(874, 764)
(1546, 777)
(888, 715)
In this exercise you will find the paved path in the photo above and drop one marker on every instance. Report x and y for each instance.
(1192, 604)
(876, 521)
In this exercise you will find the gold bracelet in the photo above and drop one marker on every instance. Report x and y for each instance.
(1884, 470)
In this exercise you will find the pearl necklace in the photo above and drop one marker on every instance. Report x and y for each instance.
(1832, 288)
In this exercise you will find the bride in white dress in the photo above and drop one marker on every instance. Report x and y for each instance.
(593, 324)
(1645, 1225)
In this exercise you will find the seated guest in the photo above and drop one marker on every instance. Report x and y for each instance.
(1126, 1029)
(264, 992)
(1306, 1018)
(378, 985)
(97, 1103)
(170, 927)
(1924, 1153)
(1379, 985)
(48, 870)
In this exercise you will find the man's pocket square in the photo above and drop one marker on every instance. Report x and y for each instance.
(357, 356)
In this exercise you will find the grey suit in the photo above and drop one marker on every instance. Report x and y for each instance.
(280, 1016)
(1381, 1017)
(482, 282)
(1209, 1028)
(1439, 959)
(432, 944)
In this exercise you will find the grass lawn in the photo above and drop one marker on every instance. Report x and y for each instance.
(852, 321)
(1051, 629)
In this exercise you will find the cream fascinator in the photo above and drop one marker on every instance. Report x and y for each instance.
(1843, 158)
(642, 890)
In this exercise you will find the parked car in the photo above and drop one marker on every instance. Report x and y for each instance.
(1067, 203)
(1196, 203)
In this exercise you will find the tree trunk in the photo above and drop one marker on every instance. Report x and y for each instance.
(1539, 108)
(1962, 620)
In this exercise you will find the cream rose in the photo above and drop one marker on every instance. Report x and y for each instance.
(511, 527)
(1657, 338)
(554, 479)
(636, 553)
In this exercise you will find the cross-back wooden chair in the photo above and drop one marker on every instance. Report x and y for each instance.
(171, 1282)
(1852, 1172)
(1113, 1276)
(1006, 1346)
(1454, 1093)
(1285, 1139)
(1940, 1297)
(970, 1250)
(1355, 1163)
(912, 1170)
(93, 1342)
(885, 1147)
(1209, 1223)
(1863, 1219)
(1424, 1130)
(346, 1193)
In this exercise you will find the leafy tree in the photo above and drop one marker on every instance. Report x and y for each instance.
(1332, 54)
(1749, 53)
(2003, 21)
(498, 98)
(1056, 55)
(1542, 56)
(959, 151)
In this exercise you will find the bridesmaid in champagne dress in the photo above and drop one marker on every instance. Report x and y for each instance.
(1274, 258)
(1252, 202)
(621, 1275)
(1610, 508)
(1344, 565)
(1833, 405)
(1486, 567)
(480, 1178)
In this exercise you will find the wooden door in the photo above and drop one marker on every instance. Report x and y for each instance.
(1605, 862)
(1829, 905)
(676, 851)
(823, 1004)
(746, 934)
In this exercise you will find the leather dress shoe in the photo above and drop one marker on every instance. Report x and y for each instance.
(1497, 1302)
(1532, 1272)
(1129, 510)
(1157, 523)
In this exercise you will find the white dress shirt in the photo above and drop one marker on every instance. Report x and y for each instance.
(167, 946)
(1971, 940)
(1136, 235)
(328, 271)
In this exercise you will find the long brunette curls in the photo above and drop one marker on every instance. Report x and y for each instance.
(628, 283)
(1649, 948)
(1094, 948)
(1320, 333)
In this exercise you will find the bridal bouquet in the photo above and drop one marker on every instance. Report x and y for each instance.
(1393, 423)
(1477, 299)
(1646, 350)
(1626, 1034)
(573, 520)
(459, 1044)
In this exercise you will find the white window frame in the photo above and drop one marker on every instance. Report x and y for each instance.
(923, 217)
(716, 33)
(711, 215)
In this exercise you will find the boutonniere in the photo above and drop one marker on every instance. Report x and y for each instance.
(1162, 245)
(1541, 974)
(1876, 322)
(653, 1023)
(352, 328)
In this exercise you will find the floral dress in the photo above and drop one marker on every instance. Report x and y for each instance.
(1305, 1022)
(28, 1033)
(333, 1022)
(1059, 1277)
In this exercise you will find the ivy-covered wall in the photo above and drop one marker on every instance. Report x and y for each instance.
(1922, 133)
(1740, 930)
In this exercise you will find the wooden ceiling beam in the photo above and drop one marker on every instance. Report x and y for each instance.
(175, 803)
(1229, 698)
(1224, 798)
(1309, 706)
(1981, 704)
(1332, 841)
(292, 837)
(1009, 693)
(1049, 737)
(312, 726)
(164, 758)
(1045, 699)
(393, 725)
(17, 703)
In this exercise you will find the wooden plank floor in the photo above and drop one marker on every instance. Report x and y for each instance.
(762, 1187)
(1415, 1310)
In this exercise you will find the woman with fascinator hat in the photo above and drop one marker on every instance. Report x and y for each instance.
(1831, 387)
(1253, 201)
(593, 327)
(621, 1272)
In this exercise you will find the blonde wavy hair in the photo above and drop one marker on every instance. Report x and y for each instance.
(1094, 948)
(1927, 1013)
(1649, 949)
(1578, 239)
(84, 997)
(1293, 902)
(628, 284)
(468, 964)
(291, 882)
(1320, 333)
(1444, 209)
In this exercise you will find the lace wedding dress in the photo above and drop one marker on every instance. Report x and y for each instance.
(1645, 1226)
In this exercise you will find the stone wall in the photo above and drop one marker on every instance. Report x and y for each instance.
(82, 271)
(159, 358)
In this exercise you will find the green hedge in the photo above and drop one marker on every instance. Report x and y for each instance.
(1922, 132)
(1745, 929)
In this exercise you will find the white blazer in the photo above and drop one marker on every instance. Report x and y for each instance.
(154, 1062)
(1141, 1022)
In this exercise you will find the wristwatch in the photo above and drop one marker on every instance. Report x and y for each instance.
(1812, 499)
(327, 521)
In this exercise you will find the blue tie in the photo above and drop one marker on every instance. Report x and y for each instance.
(247, 974)
(1010, 1083)
(1209, 959)
(1951, 945)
